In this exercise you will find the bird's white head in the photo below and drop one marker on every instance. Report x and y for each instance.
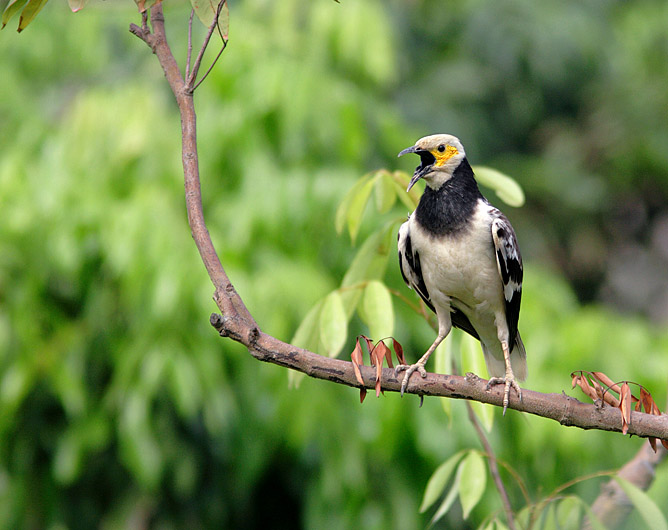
(440, 154)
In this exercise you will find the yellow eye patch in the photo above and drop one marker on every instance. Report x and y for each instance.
(443, 157)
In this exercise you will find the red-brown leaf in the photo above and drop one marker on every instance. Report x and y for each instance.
(384, 351)
(605, 380)
(358, 360)
(652, 443)
(399, 351)
(625, 400)
(369, 344)
(665, 444)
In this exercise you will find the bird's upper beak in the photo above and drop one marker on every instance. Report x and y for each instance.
(426, 163)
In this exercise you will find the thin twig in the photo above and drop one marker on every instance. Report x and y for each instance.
(190, 43)
(198, 61)
(222, 49)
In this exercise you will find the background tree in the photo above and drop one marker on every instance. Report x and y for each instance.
(117, 404)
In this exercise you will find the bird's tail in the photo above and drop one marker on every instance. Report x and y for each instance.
(496, 366)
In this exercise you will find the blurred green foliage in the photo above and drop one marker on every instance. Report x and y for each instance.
(120, 406)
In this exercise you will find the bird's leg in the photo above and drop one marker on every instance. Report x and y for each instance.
(508, 380)
(418, 366)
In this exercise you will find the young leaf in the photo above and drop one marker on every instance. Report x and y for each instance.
(449, 498)
(376, 310)
(30, 12)
(333, 324)
(352, 200)
(646, 507)
(411, 198)
(384, 192)
(308, 333)
(358, 360)
(382, 352)
(12, 8)
(473, 482)
(206, 12)
(307, 336)
(625, 406)
(356, 209)
(369, 263)
(398, 351)
(569, 513)
(506, 188)
(438, 481)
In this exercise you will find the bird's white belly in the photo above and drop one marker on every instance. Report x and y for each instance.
(461, 271)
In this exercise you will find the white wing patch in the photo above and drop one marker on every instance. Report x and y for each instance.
(509, 262)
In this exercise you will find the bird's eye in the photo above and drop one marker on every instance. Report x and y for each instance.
(441, 148)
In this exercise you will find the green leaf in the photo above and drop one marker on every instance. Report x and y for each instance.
(344, 206)
(384, 191)
(438, 481)
(569, 513)
(411, 198)
(351, 209)
(473, 361)
(307, 336)
(449, 498)
(307, 333)
(473, 482)
(646, 507)
(12, 8)
(333, 324)
(206, 12)
(30, 12)
(506, 188)
(377, 311)
(368, 264)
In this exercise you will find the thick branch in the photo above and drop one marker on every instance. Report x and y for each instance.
(226, 296)
(612, 507)
(559, 407)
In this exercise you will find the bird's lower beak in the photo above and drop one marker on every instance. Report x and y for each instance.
(416, 176)
(426, 162)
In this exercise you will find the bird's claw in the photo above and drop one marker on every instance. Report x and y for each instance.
(409, 368)
(508, 382)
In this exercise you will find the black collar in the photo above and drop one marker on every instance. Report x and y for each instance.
(449, 209)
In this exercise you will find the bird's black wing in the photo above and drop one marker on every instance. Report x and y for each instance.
(509, 261)
(409, 263)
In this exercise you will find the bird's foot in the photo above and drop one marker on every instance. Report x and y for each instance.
(409, 368)
(508, 381)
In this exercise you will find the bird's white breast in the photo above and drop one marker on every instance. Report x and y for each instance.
(461, 269)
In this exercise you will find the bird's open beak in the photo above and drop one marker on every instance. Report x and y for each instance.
(426, 162)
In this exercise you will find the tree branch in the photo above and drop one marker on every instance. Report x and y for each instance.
(612, 507)
(566, 410)
(226, 297)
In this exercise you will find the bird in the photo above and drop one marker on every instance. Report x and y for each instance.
(460, 254)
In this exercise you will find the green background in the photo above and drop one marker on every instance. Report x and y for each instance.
(119, 404)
